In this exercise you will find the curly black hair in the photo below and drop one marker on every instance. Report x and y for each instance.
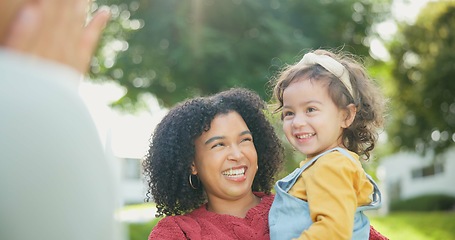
(167, 165)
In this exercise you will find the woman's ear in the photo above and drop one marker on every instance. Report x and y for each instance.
(349, 117)
(193, 168)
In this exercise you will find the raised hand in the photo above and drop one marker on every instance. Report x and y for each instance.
(56, 30)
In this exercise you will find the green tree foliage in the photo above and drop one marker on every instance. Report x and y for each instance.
(422, 90)
(177, 49)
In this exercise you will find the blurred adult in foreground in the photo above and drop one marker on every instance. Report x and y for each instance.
(55, 179)
(211, 166)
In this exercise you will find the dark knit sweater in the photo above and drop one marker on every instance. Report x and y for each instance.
(202, 224)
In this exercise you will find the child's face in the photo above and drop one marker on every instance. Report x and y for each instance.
(226, 159)
(311, 121)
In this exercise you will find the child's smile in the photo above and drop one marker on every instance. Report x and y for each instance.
(311, 120)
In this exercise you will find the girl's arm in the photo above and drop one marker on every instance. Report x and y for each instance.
(332, 197)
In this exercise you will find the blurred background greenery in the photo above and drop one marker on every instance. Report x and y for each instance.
(175, 49)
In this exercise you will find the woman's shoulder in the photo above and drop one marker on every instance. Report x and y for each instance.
(166, 227)
(175, 227)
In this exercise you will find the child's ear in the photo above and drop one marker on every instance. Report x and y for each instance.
(350, 112)
(193, 168)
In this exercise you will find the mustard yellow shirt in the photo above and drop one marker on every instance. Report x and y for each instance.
(334, 186)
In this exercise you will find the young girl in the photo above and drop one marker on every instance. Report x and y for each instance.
(331, 111)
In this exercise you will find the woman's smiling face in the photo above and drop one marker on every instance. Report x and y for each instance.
(225, 158)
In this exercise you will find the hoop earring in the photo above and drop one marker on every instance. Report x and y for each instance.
(191, 182)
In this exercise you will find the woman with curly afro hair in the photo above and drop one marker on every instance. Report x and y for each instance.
(210, 168)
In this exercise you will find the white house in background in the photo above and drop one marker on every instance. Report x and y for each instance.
(132, 186)
(405, 175)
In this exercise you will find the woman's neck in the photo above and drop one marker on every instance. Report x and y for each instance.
(234, 207)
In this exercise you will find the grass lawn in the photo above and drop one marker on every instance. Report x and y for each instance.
(417, 225)
(396, 226)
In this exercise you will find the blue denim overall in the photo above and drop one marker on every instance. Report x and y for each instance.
(290, 216)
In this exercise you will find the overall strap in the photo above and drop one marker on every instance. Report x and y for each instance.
(377, 198)
(308, 164)
(287, 182)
